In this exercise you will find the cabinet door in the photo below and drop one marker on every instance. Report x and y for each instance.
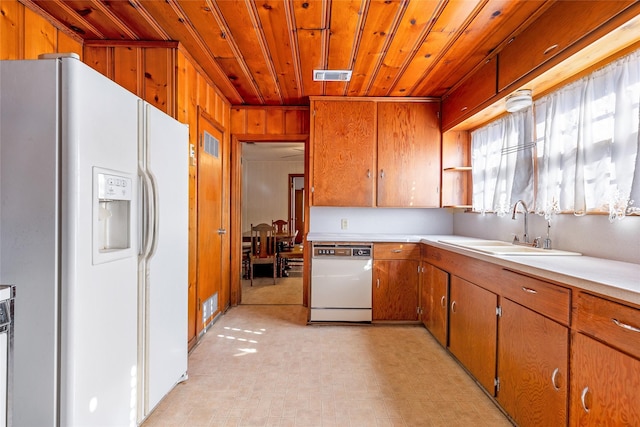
(472, 329)
(533, 360)
(395, 290)
(343, 150)
(408, 154)
(435, 302)
(604, 385)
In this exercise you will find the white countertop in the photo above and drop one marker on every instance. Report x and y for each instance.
(615, 279)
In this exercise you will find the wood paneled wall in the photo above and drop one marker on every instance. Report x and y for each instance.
(25, 34)
(162, 73)
(253, 120)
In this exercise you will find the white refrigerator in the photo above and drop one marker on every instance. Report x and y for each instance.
(94, 235)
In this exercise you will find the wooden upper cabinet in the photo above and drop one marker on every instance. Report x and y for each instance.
(563, 25)
(408, 154)
(468, 98)
(367, 153)
(342, 150)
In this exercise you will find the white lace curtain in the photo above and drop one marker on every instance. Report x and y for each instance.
(585, 152)
(502, 163)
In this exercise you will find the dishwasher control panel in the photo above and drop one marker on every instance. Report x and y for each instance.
(360, 250)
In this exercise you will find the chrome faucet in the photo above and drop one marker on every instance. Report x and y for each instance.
(525, 236)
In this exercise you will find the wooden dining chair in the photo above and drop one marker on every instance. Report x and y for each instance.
(263, 249)
(281, 226)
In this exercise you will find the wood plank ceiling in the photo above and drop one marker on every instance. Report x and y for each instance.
(262, 52)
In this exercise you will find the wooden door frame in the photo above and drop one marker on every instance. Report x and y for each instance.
(290, 190)
(236, 208)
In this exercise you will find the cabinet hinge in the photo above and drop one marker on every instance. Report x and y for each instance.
(499, 311)
(496, 383)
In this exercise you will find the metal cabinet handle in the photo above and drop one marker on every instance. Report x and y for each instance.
(529, 290)
(453, 306)
(381, 173)
(625, 326)
(396, 251)
(368, 173)
(443, 303)
(583, 398)
(554, 375)
(378, 283)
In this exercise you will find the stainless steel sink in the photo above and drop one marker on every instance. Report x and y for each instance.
(497, 247)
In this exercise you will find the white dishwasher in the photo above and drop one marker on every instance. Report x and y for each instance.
(341, 282)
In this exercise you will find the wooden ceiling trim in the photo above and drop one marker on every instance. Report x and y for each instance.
(122, 27)
(94, 16)
(326, 32)
(357, 40)
(388, 41)
(343, 32)
(167, 18)
(309, 26)
(126, 12)
(149, 19)
(295, 47)
(448, 28)
(214, 37)
(438, 16)
(52, 19)
(379, 19)
(264, 47)
(414, 27)
(277, 38)
(515, 16)
(68, 17)
(222, 23)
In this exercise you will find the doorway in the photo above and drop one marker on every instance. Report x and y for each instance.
(242, 216)
(296, 205)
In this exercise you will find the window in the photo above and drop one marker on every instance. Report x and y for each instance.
(583, 149)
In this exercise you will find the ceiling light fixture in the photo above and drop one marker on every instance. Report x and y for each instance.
(331, 75)
(519, 100)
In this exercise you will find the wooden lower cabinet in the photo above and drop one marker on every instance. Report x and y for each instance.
(395, 289)
(605, 385)
(473, 330)
(533, 354)
(434, 300)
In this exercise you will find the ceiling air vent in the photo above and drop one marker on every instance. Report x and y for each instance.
(331, 75)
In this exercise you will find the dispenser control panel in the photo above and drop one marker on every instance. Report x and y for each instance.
(113, 187)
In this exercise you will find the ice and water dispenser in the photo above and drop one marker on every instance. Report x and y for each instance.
(112, 221)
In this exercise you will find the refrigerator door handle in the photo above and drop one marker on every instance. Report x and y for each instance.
(148, 228)
(153, 227)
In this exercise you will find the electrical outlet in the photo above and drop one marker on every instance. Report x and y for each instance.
(344, 224)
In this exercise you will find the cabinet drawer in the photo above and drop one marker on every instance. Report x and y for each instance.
(614, 323)
(396, 251)
(546, 298)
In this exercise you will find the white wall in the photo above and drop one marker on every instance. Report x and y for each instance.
(381, 220)
(591, 235)
(265, 193)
